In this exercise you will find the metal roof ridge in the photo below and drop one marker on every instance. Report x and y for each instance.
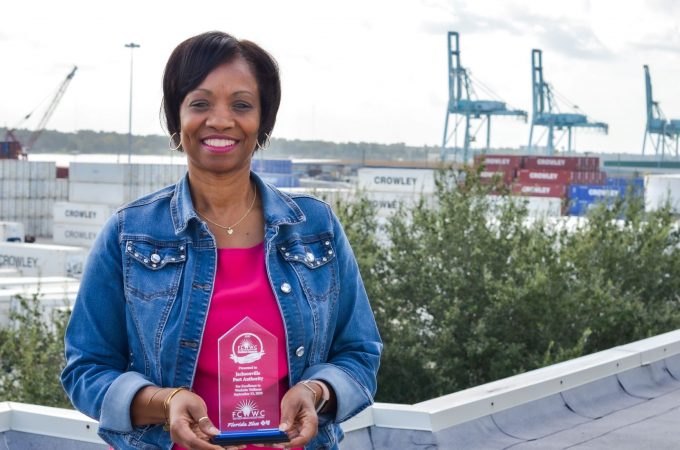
(479, 401)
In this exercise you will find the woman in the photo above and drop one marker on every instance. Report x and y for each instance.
(173, 271)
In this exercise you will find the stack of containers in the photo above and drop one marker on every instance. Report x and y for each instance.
(543, 181)
(28, 190)
(550, 177)
(97, 189)
(504, 167)
(278, 172)
(388, 189)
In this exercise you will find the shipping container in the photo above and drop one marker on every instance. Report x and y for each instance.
(413, 181)
(43, 260)
(503, 175)
(537, 207)
(12, 232)
(51, 297)
(596, 192)
(281, 166)
(82, 213)
(113, 194)
(75, 234)
(281, 180)
(388, 203)
(540, 190)
(580, 163)
(662, 189)
(544, 176)
(499, 162)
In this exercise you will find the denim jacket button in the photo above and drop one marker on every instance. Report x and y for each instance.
(285, 288)
(300, 351)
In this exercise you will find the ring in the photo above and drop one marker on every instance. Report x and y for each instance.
(202, 419)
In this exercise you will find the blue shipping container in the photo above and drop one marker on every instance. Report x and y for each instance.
(280, 179)
(272, 165)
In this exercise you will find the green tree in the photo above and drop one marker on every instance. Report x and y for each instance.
(32, 355)
(466, 289)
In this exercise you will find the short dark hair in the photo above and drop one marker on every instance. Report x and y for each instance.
(195, 58)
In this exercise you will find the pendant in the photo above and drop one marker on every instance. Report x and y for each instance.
(230, 231)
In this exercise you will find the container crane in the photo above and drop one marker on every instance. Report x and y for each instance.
(12, 147)
(463, 105)
(657, 124)
(545, 112)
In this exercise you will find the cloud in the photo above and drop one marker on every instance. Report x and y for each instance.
(664, 6)
(564, 35)
(465, 21)
(665, 41)
(567, 36)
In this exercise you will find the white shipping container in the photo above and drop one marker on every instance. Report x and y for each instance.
(660, 189)
(48, 301)
(413, 181)
(537, 207)
(99, 172)
(10, 282)
(107, 193)
(388, 203)
(11, 232)
(61, 189)
(82, 213)
(75, 234)
(43, 260)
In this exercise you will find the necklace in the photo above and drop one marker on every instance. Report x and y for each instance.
(230, 228)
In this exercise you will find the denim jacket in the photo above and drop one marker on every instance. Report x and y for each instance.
(139, 316)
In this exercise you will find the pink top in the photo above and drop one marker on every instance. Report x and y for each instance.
(241, 289)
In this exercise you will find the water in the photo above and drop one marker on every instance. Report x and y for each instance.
(65, 159)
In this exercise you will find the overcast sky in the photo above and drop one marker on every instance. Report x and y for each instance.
(356, 70)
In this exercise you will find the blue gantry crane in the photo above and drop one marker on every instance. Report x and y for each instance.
(545, 111)
(657, 124)
(464, 105)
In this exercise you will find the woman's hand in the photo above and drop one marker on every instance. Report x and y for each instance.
(298, 416)
(190, 426)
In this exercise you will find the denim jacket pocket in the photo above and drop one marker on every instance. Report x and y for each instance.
(153, 269)
(314, 261)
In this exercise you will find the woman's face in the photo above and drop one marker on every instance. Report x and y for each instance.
(219, 119)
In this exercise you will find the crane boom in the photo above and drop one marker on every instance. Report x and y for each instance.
(50, 109)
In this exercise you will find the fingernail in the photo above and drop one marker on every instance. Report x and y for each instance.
(283, 427)
(214, 430)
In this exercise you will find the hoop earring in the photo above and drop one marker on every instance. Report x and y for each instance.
(266, 142)
(172, 138)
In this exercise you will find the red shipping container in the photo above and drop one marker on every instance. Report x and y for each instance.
(506, 175)
(540, 190)
(62, 172)
(529, 176)
(497, 162)
(576, 163)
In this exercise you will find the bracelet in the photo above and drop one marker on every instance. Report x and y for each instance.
(166, 405)
(304, 383)
(325, 394)
(152, 397)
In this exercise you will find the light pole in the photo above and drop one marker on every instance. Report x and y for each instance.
(132, 46)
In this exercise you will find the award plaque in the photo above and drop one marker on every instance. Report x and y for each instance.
(248, 386)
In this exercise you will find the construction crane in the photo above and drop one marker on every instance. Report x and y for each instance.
(13, 141)
(464, 105)
(545, 111)
(657, 124)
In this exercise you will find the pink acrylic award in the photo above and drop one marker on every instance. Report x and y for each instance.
(248, 386)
